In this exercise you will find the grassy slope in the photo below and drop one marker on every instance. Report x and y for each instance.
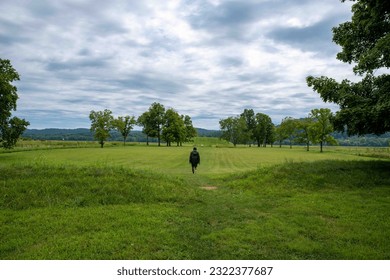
(117, 204)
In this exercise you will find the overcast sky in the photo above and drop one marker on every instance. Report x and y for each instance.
(209, 59)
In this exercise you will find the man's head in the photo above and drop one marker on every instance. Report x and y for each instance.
(194, 148)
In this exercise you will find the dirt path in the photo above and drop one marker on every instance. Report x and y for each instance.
(200, 181)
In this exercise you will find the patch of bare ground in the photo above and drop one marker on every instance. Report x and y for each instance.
(209, 187)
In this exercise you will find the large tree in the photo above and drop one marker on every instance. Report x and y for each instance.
(124, 125)
(101, 124)
(287, 130)
(10, 128)
(304, 132)
(259, 128)
(270, 133)
(156, 117)
(145, 121)
(249, 116)
(190, 131)
(173, 129)
(234, 130)
(166, 124)
(263, 129)
(322, 127)
(365, 42)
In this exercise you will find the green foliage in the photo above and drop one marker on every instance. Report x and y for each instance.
(365, 41)
(263, 129)
(190, 131)
(8, 91)
(101, 124)
(167, 125)
(249, 117)
(234, 130)
(305, 131)
(287, 130)
(11, 132)
(10, 128)
(124, 125)
(145, 121)
(174, 129)
(248, 127)
(363, 105)
(316, 128)
(156, 120)
(322, 127)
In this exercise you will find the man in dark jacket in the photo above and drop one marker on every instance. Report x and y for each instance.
(194, 159)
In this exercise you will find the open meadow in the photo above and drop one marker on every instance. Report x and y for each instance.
(61, 200)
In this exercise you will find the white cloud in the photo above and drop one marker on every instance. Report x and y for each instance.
(207, 59)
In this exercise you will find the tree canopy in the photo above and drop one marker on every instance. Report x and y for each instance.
(101, 124)
(247, 128)
(166, 124)
(124, 125)
(156, 120)
(365, 41)
(321, 128)
(173, 129)
(10, 128)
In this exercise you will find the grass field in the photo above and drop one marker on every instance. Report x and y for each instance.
(138, 202)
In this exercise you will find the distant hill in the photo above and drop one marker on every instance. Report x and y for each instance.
(370, 140)
(84, 134)
(208, 133)
(78, 134)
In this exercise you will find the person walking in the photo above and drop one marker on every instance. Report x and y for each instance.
(194, 159)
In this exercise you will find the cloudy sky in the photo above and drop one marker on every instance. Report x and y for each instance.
(209, 59)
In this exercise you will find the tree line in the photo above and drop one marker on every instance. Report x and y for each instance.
(249, 128)
(84, 134)
(164, 124)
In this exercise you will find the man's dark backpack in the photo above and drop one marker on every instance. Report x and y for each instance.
(194, 157)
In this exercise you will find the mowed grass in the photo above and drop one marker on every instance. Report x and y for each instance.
(173, 160)
(139, 202)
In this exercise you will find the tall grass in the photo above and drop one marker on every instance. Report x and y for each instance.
(40, 185)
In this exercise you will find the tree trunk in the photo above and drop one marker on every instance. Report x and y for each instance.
(158, 136)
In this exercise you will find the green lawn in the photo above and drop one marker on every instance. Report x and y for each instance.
(173, 160)
(139, 202)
